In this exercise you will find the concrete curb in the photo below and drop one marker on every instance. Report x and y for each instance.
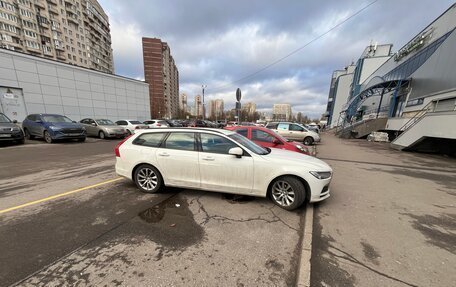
(306, 249)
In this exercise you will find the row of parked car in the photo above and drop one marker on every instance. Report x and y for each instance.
(53, 127)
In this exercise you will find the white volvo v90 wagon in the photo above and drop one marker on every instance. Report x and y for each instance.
(222, 161)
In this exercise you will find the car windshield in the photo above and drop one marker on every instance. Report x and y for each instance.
(135, 122)
(56, 119)
(249, 144)
(105, 122)
(4, 119)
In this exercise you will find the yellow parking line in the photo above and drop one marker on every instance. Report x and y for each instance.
(59, 195)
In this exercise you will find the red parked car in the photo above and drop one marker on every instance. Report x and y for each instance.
(267, 138)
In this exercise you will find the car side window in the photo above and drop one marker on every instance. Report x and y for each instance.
(85, 121)
(150, 139)
(271, 126)
(122, 123)
(258, 135)
(242, 132)
(216, 144)
(296, 128)
(181, 141)
(31, 118)
(282, 127)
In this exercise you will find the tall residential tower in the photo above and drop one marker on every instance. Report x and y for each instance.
(72, 31)
(160, 71)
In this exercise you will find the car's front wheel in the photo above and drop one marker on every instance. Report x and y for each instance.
(148, 178)
(308, 141)
(47, 137)
(288, 192)
(28, 135)
(101, 135)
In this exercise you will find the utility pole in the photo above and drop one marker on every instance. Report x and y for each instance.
(204, 108)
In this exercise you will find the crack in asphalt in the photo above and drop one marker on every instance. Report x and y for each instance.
(208, 217)
(353, 259)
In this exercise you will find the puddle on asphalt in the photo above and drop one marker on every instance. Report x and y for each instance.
(171, 224)
(236, 198)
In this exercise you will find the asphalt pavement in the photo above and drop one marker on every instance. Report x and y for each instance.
(65, 219)
(391, 218)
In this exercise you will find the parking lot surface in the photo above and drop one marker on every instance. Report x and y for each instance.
(391, 219)
(65, 219)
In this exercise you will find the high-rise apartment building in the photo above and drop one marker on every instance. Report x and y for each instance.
(183, 106)
(161, 73)
(281, 112)
(216, 109)
(198, 109)
(71, 31)
(249, 108)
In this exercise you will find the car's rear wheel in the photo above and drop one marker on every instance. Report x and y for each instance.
(288, 192)
(47, 137)
(101, 135)
(28, 135)
(148, 178)
(308, 141)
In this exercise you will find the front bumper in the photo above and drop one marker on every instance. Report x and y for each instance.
(57, 135)
(11, 136)
(324, 194)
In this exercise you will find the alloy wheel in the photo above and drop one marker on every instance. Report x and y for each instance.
(283, 193)
(147, 179)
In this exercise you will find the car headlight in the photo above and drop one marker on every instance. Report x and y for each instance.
(321, 174)
(54, 128)
(302, 149)
(15, 130)
(83, 129)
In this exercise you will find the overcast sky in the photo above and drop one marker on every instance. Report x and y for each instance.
(217, 42)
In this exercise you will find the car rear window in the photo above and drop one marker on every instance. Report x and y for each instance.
(149, 139)
(283, 127)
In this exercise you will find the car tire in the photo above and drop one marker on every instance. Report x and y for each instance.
(82, 140)
(28, 135)
(147, 178)
(101, 135)
(288, 192)
(308, 141)
(47, 137)
(21, 141)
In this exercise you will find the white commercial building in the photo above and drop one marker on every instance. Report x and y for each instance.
(30, 84)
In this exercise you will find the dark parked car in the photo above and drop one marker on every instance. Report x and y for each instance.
(53, 127)
(9, 131)
(196, 123)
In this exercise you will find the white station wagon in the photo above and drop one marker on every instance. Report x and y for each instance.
(222, 161)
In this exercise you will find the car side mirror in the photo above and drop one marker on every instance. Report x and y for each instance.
(236, 151)
(94, 124)
(276, 142)
(14, 121)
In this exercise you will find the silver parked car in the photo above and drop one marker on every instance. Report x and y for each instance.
(103, 128)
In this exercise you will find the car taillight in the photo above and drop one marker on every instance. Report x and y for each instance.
(119, 144)
(137, 127)
(158, 125)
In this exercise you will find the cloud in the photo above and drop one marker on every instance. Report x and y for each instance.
(218, 42)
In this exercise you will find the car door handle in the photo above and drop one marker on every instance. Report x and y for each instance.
(208, 158)
(163, 154)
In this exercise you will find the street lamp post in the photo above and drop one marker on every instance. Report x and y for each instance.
(204, 108)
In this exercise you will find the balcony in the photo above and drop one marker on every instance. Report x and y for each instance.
(39, 3)
(72, 18)
(47, 50)
(53, 10)
(60, 48)
(61, 56)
